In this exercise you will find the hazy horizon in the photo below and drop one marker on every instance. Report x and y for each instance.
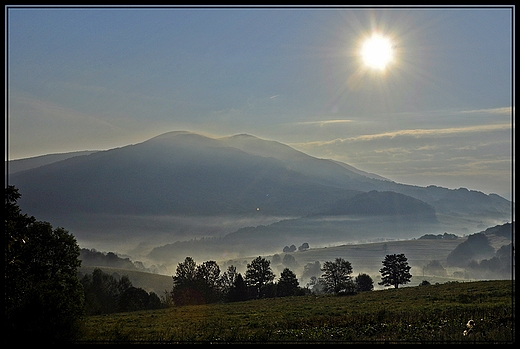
(440, 113)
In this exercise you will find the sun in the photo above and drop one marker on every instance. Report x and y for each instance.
(377, 52)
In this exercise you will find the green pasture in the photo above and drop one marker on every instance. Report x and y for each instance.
(435, 313)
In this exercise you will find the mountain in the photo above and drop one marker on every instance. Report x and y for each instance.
(14, 166)
(175, 186)
(174, 174)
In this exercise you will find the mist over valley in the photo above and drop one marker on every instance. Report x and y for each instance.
(183, 194)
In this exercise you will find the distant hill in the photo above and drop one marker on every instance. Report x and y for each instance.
(186, 173)
(14, 166)
(124, 194)
(376, 203)
(482, 245)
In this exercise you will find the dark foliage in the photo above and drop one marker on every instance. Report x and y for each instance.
(364, 283)
(395, 271)
(105, 294)
(288, 284)
(43, 296)
(444, 236)
(259, 275)
(239, 290)
(336, 276)
(186, 284)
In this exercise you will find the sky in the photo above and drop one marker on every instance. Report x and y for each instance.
(440, 113)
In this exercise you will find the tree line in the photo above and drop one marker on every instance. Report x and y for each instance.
(204, 283)
(105, 293)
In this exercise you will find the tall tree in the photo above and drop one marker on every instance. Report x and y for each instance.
(208, 280)
(288, 284)
(227, 280)
(258, 275)
(336, 276)
(238, 292)
(43, 295)
(185, 288)
(395, 270)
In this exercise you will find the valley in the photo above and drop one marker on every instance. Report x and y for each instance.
(183, 194)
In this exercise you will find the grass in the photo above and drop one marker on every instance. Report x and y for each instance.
(421, 314)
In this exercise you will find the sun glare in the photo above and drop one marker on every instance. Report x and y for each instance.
(377, 52)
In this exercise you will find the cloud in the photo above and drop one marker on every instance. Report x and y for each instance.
(324, 122)
(503, 111)
(440, 132)
(476, 157)
(411, 133)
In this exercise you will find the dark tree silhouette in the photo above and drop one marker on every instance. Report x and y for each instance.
(185, 289)
(43, 295)
(208, 281)
(364, 283)
(395, 271)
(238, 291)
(336, 276)
(258, 275)
(288, 284)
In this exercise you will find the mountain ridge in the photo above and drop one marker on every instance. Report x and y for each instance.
(182, 173)
(182, 150)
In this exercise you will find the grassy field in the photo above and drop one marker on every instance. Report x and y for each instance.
(421, 314)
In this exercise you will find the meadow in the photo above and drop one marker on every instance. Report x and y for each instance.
(436, 313)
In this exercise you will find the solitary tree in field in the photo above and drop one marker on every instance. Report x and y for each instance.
(395, 271)
(336, 276)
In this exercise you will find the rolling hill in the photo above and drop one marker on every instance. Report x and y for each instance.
(175, 186)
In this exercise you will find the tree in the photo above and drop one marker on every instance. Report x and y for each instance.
(43, 295)
(258, 275)
(208, 280)
(238, 292)
(132, 299)
(336, 276)
(288, 284)
(316, 285)
(395, 271)
(289, 261)
(276, 259)
(311, 269)
(290, 249)
(304, 247)
(185, 290)
(364, 283)
(227, 280)
(101, 292)
(434, 268)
